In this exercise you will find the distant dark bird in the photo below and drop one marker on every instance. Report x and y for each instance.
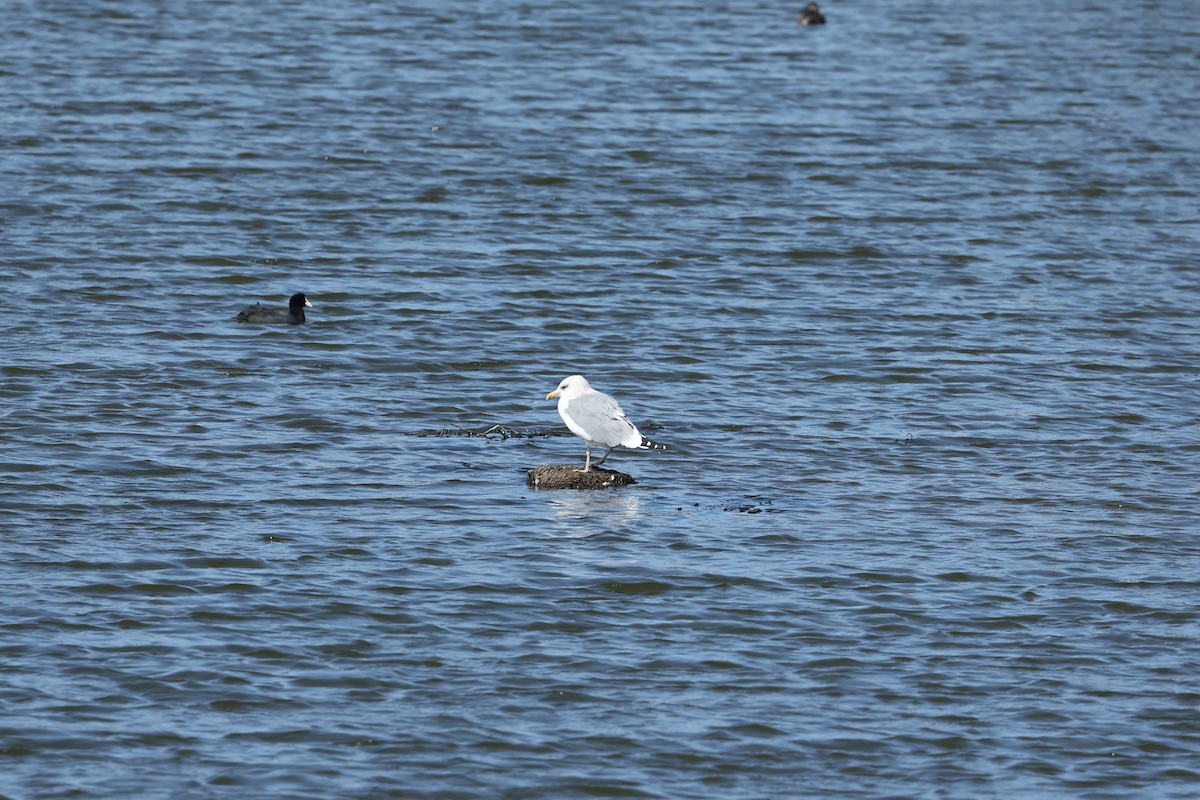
(274, 316)
(811, 15)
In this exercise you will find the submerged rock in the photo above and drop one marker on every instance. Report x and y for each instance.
(568, 476)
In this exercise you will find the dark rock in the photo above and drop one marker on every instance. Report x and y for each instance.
(569, 476)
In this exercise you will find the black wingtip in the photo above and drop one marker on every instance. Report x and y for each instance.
(649, 445)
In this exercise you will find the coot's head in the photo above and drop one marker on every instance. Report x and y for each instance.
(298, 303)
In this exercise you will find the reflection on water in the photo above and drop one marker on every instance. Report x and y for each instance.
(579, 514)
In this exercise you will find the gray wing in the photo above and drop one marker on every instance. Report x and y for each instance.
(260, 313)
(601, 419)
(247, 314)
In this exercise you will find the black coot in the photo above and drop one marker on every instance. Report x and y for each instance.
(274, 316)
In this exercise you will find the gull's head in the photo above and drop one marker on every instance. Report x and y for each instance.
(570, 387)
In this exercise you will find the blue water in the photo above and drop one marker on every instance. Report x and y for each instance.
(911, 298)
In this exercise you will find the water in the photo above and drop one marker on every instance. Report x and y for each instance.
(911, 297)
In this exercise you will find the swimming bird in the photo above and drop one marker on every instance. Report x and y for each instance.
(597, 419)
(274, 316)
(811, 15)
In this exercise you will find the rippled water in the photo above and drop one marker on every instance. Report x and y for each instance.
(911, 297)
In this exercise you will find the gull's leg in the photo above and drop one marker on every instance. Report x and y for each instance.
(587, 459)
(606, 452)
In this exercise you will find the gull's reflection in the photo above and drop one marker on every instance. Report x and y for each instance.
(586, 513)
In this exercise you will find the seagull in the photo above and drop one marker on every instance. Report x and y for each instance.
(597, 419)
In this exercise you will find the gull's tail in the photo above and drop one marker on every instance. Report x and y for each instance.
(649, 445)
